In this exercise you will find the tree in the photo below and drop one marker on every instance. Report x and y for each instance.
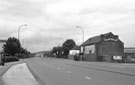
(12, 46)
(24, 52)
(57, 50)
(68, 45)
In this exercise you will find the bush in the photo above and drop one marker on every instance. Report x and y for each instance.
(10, 58)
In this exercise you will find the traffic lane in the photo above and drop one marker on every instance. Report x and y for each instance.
(98, 77)
(61, 74)
(114, 67)
(51, 75)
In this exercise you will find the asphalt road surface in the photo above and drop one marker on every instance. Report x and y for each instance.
(69, 72)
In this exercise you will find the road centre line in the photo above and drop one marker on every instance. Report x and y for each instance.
(69, 72)
(58, 68)
(101, 69)
(88, 78)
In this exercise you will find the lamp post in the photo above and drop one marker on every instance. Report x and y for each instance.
(19, 30)
(82, 33)
(82, 49)
(19, 36)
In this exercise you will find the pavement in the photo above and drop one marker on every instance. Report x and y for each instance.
(69, 72)
(19, 75)
(7, 65)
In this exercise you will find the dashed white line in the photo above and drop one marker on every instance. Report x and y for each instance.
(58, 68)
(69, 72)
(88, 78)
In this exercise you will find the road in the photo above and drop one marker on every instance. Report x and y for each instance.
(68, 72)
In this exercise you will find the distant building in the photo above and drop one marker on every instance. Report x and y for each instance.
(129, 54)
(42, 54)
(105, 47)
(73, 52)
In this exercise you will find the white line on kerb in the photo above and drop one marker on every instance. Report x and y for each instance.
(88, 78)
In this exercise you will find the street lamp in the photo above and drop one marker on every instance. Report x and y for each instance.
(19, 36)
(82, 49)
(82, 33)
(19, 30)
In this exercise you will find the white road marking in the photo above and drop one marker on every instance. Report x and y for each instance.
(88, 78)
(58, 68)
(69, 72)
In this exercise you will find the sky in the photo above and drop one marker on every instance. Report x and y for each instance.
(51, 22)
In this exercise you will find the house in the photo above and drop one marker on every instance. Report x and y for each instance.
(105, 47)
(129, 53)
(73, 52)
(2, 42)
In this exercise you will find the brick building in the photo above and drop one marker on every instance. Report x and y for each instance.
(129, 53)
(105, 47)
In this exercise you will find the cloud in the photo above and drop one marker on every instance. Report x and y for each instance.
(49, 20)
(22, 8)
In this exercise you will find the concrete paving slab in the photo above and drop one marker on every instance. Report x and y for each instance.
(19, 75)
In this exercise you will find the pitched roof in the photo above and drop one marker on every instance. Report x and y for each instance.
(96, 39)
(92, 40)
(129, 50)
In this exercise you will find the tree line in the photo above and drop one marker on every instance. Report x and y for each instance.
(63, 51)
(12, 47)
